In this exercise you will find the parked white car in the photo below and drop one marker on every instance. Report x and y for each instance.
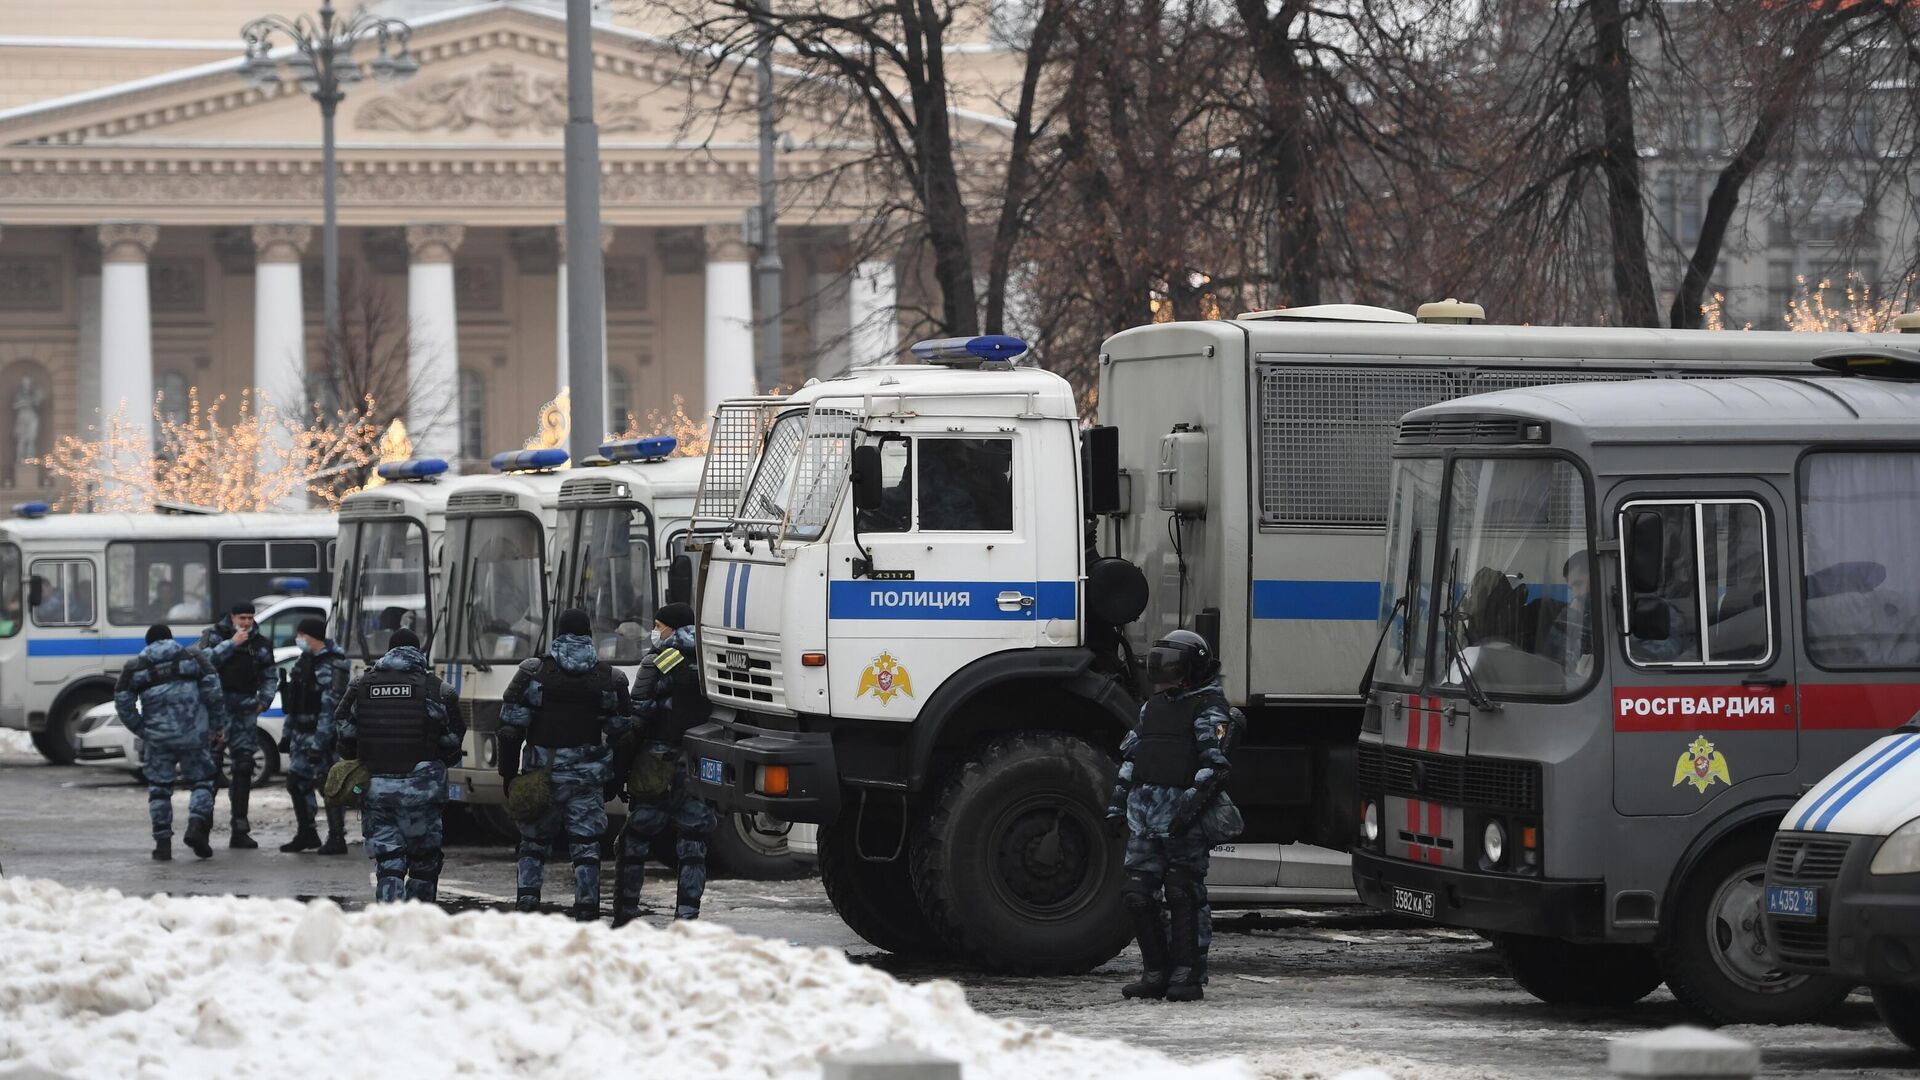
(104, 740)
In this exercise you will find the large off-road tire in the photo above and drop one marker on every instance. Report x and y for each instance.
(751, 848)
(1012, 866)
(1563, 973)
(874, 899)
(1716, 959)
(1900, 1008)
(60, 742)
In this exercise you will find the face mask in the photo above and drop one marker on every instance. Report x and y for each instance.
(653, 638)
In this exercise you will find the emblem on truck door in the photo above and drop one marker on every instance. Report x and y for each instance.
(1700, 765)
(884, 678)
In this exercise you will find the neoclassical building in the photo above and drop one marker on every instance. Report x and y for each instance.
(160, 219)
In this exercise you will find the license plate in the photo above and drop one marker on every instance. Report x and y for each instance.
(457, 792)
(712, 771)
(1413, 902)
(1793, 900)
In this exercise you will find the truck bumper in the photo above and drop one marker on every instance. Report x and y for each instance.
(1568, 910)
(740, 752)
(1867, 929)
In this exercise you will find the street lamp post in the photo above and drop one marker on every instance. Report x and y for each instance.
(322, 62)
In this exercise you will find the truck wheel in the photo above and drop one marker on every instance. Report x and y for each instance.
(874, 899)
(60, 743)
(1012, 866)
(1563, 973)
(1900, 1008)
(1717, 961)
(750, 847)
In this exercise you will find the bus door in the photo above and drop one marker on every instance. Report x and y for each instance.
(64, 638)
(1704, 694)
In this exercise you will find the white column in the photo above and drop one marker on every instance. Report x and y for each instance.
(729, 349)
(561, 376)
(86, 296)
(280, 337)
(126, 341)
(874, 298)
(433, 341)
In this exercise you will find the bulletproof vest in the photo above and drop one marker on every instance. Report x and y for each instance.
(1166, 755)
(396, 730)
(241, 673)
(179, 669)
(300, 693)
(570, 706)
(687, 704)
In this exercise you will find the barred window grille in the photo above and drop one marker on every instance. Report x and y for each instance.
(824, 465)
(734, 444)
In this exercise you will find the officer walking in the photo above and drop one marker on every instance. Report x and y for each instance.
(565, 706)
(170, 698)
(244, 660)
(1172, 767)
(402, 723)
(661, 805)
(312, 692)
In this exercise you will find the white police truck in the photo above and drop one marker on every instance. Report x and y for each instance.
(78, 591)
(924, 588)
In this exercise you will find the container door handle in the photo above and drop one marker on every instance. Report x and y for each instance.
(1013, 600)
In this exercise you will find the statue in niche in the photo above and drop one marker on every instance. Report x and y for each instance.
(27, 402)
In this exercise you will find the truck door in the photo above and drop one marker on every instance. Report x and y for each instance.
(952, 571)
(1703, 696)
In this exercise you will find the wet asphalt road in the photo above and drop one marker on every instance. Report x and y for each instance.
(1301, 994)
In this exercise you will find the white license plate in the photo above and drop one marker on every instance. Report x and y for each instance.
(1413, 902)
(1793, 900)
(712, 771)
(456, 792)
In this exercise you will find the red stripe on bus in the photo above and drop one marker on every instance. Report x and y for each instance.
(1857, 706)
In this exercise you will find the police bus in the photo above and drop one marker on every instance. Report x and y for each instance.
(78, 591)
(1624, 627)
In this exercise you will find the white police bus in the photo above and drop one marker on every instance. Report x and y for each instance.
(78, 591)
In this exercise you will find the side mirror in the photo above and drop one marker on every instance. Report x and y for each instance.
(36, 591)
(1651, 619)
(1646, 543)
(1100, 469)
(866, 477)
(680, 578)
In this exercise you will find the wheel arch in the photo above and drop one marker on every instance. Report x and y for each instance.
(1024, 690)
(80, 688)
(1761, 817)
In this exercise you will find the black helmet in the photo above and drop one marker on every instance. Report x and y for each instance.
(1182, 658)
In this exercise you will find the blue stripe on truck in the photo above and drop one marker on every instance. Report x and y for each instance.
(1330, 601)
(951, 601)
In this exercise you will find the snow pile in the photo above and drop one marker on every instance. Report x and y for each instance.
(15, 741)
(97, 984)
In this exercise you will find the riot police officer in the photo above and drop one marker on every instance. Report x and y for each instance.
(564, 707)
(402, 723)
(1172, 767)
(660, 804)
(311, 693)
(244, 660)
(170, 698)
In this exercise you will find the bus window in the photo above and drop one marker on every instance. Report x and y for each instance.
(505, 592)
(1862, 583)
(62, 592)
(155, 581)
(1714, 604)
(10, 607)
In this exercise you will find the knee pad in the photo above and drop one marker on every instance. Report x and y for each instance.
(1184, 888)
(691, 851)
(1139, 889)
(427, 867)
(533, 849)
(592, 842)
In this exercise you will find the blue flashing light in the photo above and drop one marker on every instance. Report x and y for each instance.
(976, 349)
(417, 469)
(32, 509)
(649, 448)
(529, 460)
(292, 586)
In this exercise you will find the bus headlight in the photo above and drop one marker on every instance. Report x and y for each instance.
(1494, 841)
(1370, 822)
(1899, 853)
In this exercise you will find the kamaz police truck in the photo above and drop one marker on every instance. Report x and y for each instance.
(925, 588)
(1624, 627)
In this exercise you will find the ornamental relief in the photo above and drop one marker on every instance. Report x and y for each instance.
(438, 190)
(500, 97)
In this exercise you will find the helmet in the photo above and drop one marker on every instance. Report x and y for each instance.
(1182, 658)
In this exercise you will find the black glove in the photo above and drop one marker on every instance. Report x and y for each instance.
(285, 745)
(1116, 826)
(510, 741)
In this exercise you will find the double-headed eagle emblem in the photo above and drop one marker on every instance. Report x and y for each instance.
(1700, 765)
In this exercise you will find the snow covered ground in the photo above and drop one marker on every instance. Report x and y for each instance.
(98, 984)
(14, 741)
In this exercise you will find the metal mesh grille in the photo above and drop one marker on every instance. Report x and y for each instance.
(480, 500)
(824, 464)
(596, 488)
(1492, 783)
(369, 506)
(736, 435)
(1805, 860)
(1324, 438)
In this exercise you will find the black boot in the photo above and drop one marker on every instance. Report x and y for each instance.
(336, 831)
(1152, 982)
(241, 839)
(196, 838)
(622, 914)
(163, 851)
(527, 901)
(586, 912)
(304, 840)
(1184, 948)
(335, 845)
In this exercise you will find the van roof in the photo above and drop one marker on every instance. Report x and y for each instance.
(1052, 395)
(127, 526)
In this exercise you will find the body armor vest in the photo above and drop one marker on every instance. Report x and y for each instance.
(179, 669)
(1166, 755)
(687, 705)
(570, 706)
(300, 693)
(241, 673)
(396, 730)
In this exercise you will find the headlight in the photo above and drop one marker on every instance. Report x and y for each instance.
(1370, 822)
(490, 751)
(1899, 853)
(1494, 841)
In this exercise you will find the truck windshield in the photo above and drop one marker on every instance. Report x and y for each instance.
(1413, 532)
(802, 468)
(1515, 577)
(606, 568)
(383, 565)
(10, 605)
(499, 588)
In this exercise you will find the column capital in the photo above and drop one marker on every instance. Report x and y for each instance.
(434, 243)
(727, 243)
(127, 241)
(560, 235)
(281, 241)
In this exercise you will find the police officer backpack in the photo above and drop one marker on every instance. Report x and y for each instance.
(397, 730)
(346, 784)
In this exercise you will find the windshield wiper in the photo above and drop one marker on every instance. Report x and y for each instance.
(1475, 696)
(1373, 659)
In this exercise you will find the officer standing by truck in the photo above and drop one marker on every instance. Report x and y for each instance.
(244, 661)
(1172, 767)
(661, 805)
(312, 692)
(564, 707)
(170, 698)
(402, 724)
